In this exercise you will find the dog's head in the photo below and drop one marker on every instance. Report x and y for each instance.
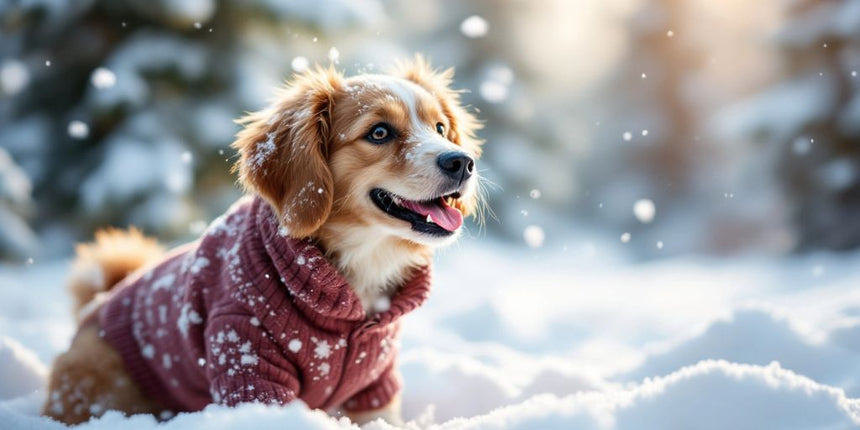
(395, 153)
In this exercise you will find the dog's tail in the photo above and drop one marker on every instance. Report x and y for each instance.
(100, 265)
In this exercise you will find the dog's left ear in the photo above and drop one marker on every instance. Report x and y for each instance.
(283, 152)
(464, 125)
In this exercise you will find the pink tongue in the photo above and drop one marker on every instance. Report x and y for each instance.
(445, 216)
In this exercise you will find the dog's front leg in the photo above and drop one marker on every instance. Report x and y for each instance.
(390, 413)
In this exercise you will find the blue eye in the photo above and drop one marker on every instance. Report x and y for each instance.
(440, 128)
(380, 133)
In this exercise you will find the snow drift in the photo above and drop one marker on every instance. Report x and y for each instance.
(589, 345)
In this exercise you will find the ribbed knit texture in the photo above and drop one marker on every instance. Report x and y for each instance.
(247, 314)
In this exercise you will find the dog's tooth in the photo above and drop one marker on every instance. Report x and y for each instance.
(429, 219)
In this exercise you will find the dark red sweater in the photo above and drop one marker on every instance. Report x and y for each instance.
(247, 314)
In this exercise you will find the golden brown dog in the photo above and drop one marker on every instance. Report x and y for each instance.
(378, 170)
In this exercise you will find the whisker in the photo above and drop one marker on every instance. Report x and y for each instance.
(482, 206)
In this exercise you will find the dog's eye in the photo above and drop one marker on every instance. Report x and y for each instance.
(380, 133)
(440, 128)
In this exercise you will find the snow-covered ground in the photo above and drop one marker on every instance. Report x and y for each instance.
(553, 338)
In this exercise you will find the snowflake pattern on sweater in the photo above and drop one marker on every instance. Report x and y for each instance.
(247, 314)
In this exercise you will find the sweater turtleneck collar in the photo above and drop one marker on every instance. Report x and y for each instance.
(316, 285)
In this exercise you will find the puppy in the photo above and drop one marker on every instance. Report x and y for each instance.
(296, 292)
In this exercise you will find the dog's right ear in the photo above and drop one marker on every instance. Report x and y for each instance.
(283, 152)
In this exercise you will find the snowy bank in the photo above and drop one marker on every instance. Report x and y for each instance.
(537, 339)
(708, 395)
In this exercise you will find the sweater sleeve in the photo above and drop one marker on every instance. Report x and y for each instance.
(378, 394)
(244, 365)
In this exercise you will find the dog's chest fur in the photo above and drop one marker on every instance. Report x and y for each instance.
(373, 263)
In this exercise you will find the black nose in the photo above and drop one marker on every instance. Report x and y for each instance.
(456, 165)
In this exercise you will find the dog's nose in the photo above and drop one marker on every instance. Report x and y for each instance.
(456, 165)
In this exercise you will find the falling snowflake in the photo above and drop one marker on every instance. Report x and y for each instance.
(644, 210)
(382, 304)
(102, 78)
(493, 91)
(534, 236)
(300, 64)
(78, 130)
(14, 77)
(474, 27)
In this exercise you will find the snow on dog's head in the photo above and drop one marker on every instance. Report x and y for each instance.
(391, 153)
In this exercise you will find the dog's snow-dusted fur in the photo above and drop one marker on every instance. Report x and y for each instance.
(307, 156)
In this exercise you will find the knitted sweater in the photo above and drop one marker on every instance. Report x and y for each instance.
(247, 314)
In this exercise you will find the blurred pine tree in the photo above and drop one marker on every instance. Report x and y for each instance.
(116, 110)
(813, 117)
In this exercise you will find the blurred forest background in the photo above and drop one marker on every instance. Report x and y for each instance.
(664, 126)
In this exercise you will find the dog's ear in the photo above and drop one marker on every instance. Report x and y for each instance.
(464, 125)
(283, 152)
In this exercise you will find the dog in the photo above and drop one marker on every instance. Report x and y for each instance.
(296, 292)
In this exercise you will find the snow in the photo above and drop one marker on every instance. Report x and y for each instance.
(838, 174)
(534, 236)
(333, 55)
(802, 145)
(382, 304)
(322, 349)
(775, 111)
(22, 372)
(262, 152)
(474, 27)
(78, 130)
(330, 15)
(535, 338)
(493, 91)
(300, 64)
(103, 78)
(16, 238)
(14, 77)
(190, 10)
(644, 210)
(134, 166)
(122, 80)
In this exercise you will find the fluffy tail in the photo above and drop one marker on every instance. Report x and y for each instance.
(101, 264)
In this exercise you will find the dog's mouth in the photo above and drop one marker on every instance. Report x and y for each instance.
(435, 217)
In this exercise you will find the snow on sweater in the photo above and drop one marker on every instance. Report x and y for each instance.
(246, 314)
